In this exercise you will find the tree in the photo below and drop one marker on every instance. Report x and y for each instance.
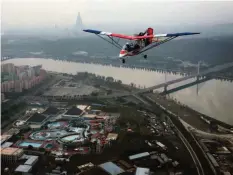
(30, 147)
(119, 81)
(109, 92)
(42, 149)
(94, 94)
(110, 79)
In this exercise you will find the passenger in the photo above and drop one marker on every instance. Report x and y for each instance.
(142, 42)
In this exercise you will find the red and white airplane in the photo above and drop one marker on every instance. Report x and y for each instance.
(141, 42)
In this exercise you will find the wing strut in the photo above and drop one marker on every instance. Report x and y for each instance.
(158, 43)
(113, 42)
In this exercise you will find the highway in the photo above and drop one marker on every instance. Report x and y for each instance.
(196, 161)
(207, 134)
(192, 153)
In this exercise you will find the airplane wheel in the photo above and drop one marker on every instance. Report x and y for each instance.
(123, 61)
(145, 56)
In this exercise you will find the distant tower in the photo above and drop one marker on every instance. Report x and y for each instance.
(79, 23)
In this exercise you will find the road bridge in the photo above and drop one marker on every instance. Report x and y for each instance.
(149, 89)
(201, 74)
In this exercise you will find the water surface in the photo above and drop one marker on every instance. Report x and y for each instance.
(214, 98)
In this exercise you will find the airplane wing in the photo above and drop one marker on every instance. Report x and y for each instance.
(175, 34)
(156, 41)
(166, 37)
(122, 36)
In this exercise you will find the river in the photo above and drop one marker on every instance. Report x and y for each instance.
(214, 98)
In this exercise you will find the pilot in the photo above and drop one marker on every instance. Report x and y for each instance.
(142, 42)
(128, 47)
(131, 46)
(142, 33)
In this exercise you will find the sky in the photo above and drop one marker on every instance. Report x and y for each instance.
(47, 13)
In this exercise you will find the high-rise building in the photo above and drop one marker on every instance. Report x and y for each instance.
(23, 76)
(5, 86)
(26, 84)
(20, 69)
(9, 67)
(37, 69)
(2, 96)
(10, 154)
(11, 85)
(18, 86)
(31, 72)
(42, 73)
(77, 29)
(17, 78)
(79, 23)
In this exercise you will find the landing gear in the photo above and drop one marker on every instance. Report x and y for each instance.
(123, 60)
(145, 56)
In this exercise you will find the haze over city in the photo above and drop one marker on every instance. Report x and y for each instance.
(152, 94)
(25, 14)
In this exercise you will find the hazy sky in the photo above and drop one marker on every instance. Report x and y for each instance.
(34, 13)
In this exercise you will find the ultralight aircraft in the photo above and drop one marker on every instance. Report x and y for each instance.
(141, 43)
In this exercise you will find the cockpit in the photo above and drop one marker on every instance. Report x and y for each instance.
(130, 47)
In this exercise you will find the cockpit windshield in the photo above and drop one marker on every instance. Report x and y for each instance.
(128, 47)
(124, 47)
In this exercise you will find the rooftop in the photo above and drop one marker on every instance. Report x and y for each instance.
(11, 151)
(74, 111)
(37, 118)
(136, 156)
(5, 137)
(89, 116)
(142, 171)
(23, 168)
(82, 107)
(51, 110)
(6, 144)
(95, 170)
(111, 168)
(12, 131)
(112, 136)
(31, 160)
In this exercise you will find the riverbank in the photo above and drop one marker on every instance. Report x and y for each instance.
(194, 118)
(189, 115)
(167, 66)
(213, 98)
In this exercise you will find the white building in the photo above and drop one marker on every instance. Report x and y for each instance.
(10, 154)
(24, 169)
(142, 171)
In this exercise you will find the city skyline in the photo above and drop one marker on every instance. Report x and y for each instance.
(19, 78)
(33, 14)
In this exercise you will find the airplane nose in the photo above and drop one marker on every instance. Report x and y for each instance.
(122, 53)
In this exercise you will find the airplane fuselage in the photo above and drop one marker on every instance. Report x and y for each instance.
(126, 52)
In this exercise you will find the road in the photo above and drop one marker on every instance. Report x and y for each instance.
(207, 134)
(185, 142)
